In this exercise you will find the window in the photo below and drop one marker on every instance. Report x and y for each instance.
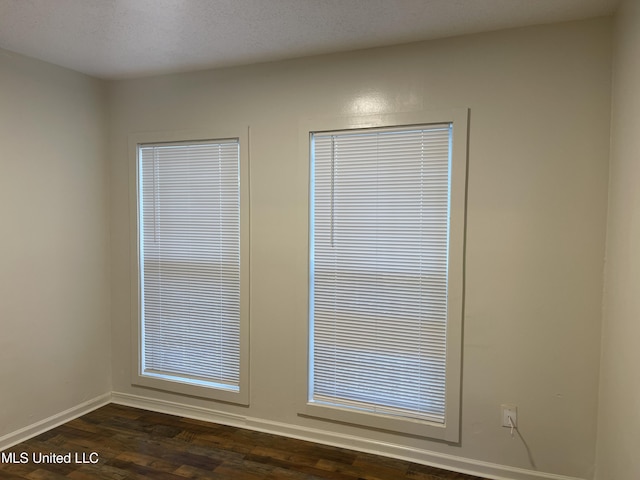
(387, 223)
(191, 307)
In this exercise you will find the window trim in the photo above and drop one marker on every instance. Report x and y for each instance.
(240, 397)
(450, 430)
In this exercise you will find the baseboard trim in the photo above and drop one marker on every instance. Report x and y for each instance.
(53, 421)
(425, 457)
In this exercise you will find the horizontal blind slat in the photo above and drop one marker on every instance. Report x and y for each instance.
(380, 210)
(190, 260)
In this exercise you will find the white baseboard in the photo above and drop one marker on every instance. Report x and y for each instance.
(425, 457)
(53, 421)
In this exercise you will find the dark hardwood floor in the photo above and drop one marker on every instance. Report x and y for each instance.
(128, 443)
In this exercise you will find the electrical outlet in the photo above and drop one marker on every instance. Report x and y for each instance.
(509, 410)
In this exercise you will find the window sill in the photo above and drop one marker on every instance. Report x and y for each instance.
(401, 425)
(192, 388)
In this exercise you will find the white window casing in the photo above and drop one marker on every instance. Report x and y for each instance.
(387, 221)
(191, 266)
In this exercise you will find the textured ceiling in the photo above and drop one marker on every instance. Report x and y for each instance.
(128, 38)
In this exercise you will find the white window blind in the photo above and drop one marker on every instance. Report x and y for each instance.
(190, 262)
(380, 207)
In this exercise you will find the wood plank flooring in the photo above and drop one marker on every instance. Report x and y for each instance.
(129, 443)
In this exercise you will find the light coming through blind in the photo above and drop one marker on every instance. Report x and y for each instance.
(190, 262)
(380, 208)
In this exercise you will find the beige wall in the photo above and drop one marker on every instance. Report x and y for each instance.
(619, 421)
(54, 252)
(538, 165)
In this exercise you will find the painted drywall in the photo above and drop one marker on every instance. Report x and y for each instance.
(619, 419)
(54, 248)
(537, 193)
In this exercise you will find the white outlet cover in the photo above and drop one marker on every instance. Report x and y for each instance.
(509, 410)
